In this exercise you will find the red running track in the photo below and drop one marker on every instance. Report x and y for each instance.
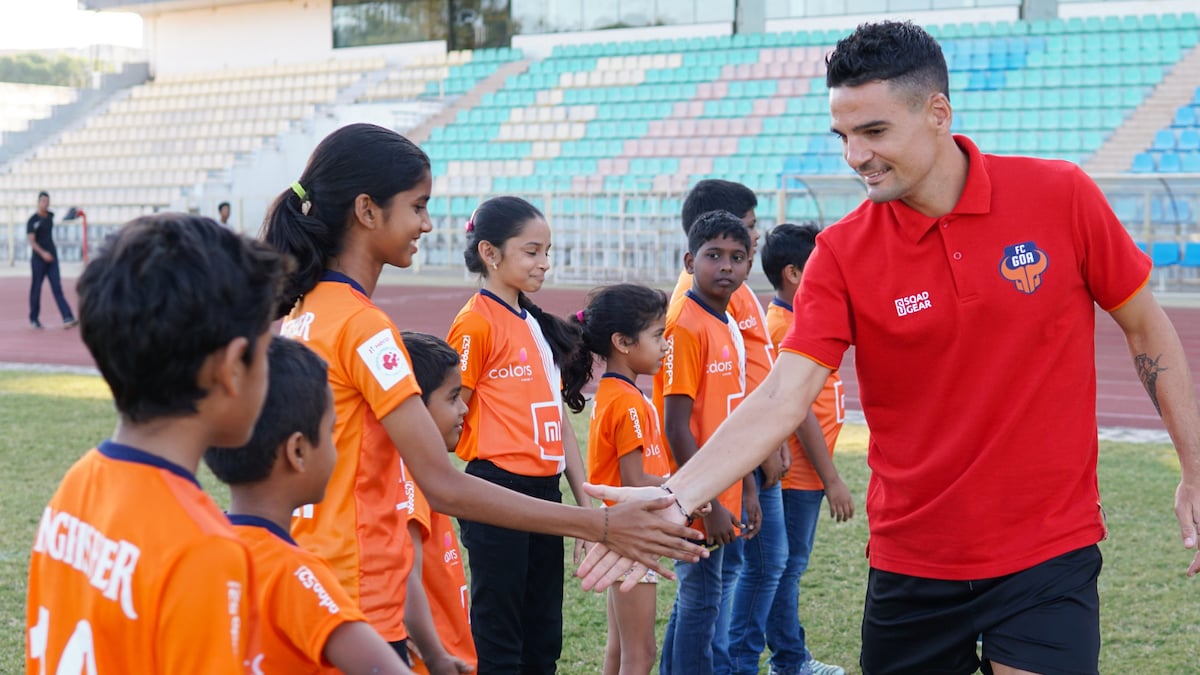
(1121, 400)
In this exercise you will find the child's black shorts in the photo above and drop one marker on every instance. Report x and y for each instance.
(1045, 619)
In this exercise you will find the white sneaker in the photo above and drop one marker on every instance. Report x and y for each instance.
(819, 668)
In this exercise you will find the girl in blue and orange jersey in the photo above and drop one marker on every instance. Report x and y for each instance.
(513, 356)
(624, 325)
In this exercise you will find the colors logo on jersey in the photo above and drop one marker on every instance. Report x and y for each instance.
(1024, 264)
(748, 323)
(911, 304)
(384, 359)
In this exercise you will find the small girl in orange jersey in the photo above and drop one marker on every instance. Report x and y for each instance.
(624, 324)
(513, 356)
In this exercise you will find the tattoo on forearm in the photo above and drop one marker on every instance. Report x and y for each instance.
(1148, 370)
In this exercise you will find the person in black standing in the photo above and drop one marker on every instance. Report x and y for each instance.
(44, 261)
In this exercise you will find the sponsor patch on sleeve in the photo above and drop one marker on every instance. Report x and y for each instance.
(384, 359)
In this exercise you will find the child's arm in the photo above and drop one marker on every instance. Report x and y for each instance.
(418, 617)
(355, 648)
(633, 474)
(576, 474)
(812, 439)
(752, 508)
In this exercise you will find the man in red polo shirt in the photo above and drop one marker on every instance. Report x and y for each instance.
(967, 284)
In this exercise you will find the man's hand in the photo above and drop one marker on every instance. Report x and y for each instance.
(841, 506)
(47, 257)
(1187, 510)
(644, 525)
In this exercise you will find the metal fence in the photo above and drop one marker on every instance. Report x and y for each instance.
(636, 236)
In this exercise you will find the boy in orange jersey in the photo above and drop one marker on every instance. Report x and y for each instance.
(812, 475)
(437, 565)
(701, 382)
(135, 569)
(309, 624)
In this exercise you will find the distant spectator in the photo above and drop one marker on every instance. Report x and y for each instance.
(223, 213)
(44, 261)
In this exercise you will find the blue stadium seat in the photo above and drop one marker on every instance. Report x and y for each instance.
(1190, 162)
(1165, 253)
(1185, 117)
(1164, 139)
(1170, 162)
(1191, 255)
(1143, 162)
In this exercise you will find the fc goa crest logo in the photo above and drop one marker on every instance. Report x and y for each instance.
(1023, 265)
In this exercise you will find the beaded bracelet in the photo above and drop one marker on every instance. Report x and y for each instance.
(682, 510)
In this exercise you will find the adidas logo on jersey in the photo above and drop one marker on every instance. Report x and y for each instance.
(309, 581)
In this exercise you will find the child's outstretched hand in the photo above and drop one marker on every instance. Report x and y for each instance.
(841, 506)
(722, 527)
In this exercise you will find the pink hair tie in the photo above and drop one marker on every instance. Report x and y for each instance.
(470, 225)
(579, 315)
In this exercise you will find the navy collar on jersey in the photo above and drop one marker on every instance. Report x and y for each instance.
(124, 453)
(519, 311)
(779, 303)
(259, 521)
(621, 377)
(330, 275)
(723, 318)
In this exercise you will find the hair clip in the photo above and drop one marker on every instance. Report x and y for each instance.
(305, 202)
(470, 226)
(579, 315)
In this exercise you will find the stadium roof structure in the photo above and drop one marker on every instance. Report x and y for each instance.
(159, 6)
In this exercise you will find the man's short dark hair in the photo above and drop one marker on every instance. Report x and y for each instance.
(898, 52)
(787, 244)
(222, 205)
(432, 360)
(297, 399)
(43, 193)
(716, 195)
(715, 225)
(163, 294)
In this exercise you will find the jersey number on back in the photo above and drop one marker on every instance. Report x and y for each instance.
(79, 654)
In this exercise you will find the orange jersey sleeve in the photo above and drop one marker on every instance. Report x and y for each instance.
(514, 417)
(370, 375)
(445, 583)
(829, 408)
(134, 569)
(298, 597)
(623, 421)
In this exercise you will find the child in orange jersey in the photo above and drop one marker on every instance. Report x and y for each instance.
(135, 569)
(358, 206)
(515, 362)
(812, 475)
(702, 381)
(309, 624)
(624, 324)
(438, 565)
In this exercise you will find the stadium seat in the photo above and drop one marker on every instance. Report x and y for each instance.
(1165, 253)
(1143, 162)
(1191, 255)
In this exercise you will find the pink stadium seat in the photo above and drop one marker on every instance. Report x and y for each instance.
(720, 127)
(777, 70)
(776, 107)
(688, 127)
(720, 90)
(758, 71)
(671, 128)
(704, 90)
(753, 126)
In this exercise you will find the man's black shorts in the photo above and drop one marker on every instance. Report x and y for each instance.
(1045, 619)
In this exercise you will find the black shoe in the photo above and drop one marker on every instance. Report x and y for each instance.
(70, 323)
(36, 325)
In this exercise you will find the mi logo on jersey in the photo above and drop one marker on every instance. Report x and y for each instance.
(1023, 265)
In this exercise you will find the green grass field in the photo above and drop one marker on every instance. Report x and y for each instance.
(1150, 612)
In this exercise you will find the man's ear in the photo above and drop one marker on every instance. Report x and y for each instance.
(940, 112)
(689, 262)
(296, 450)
